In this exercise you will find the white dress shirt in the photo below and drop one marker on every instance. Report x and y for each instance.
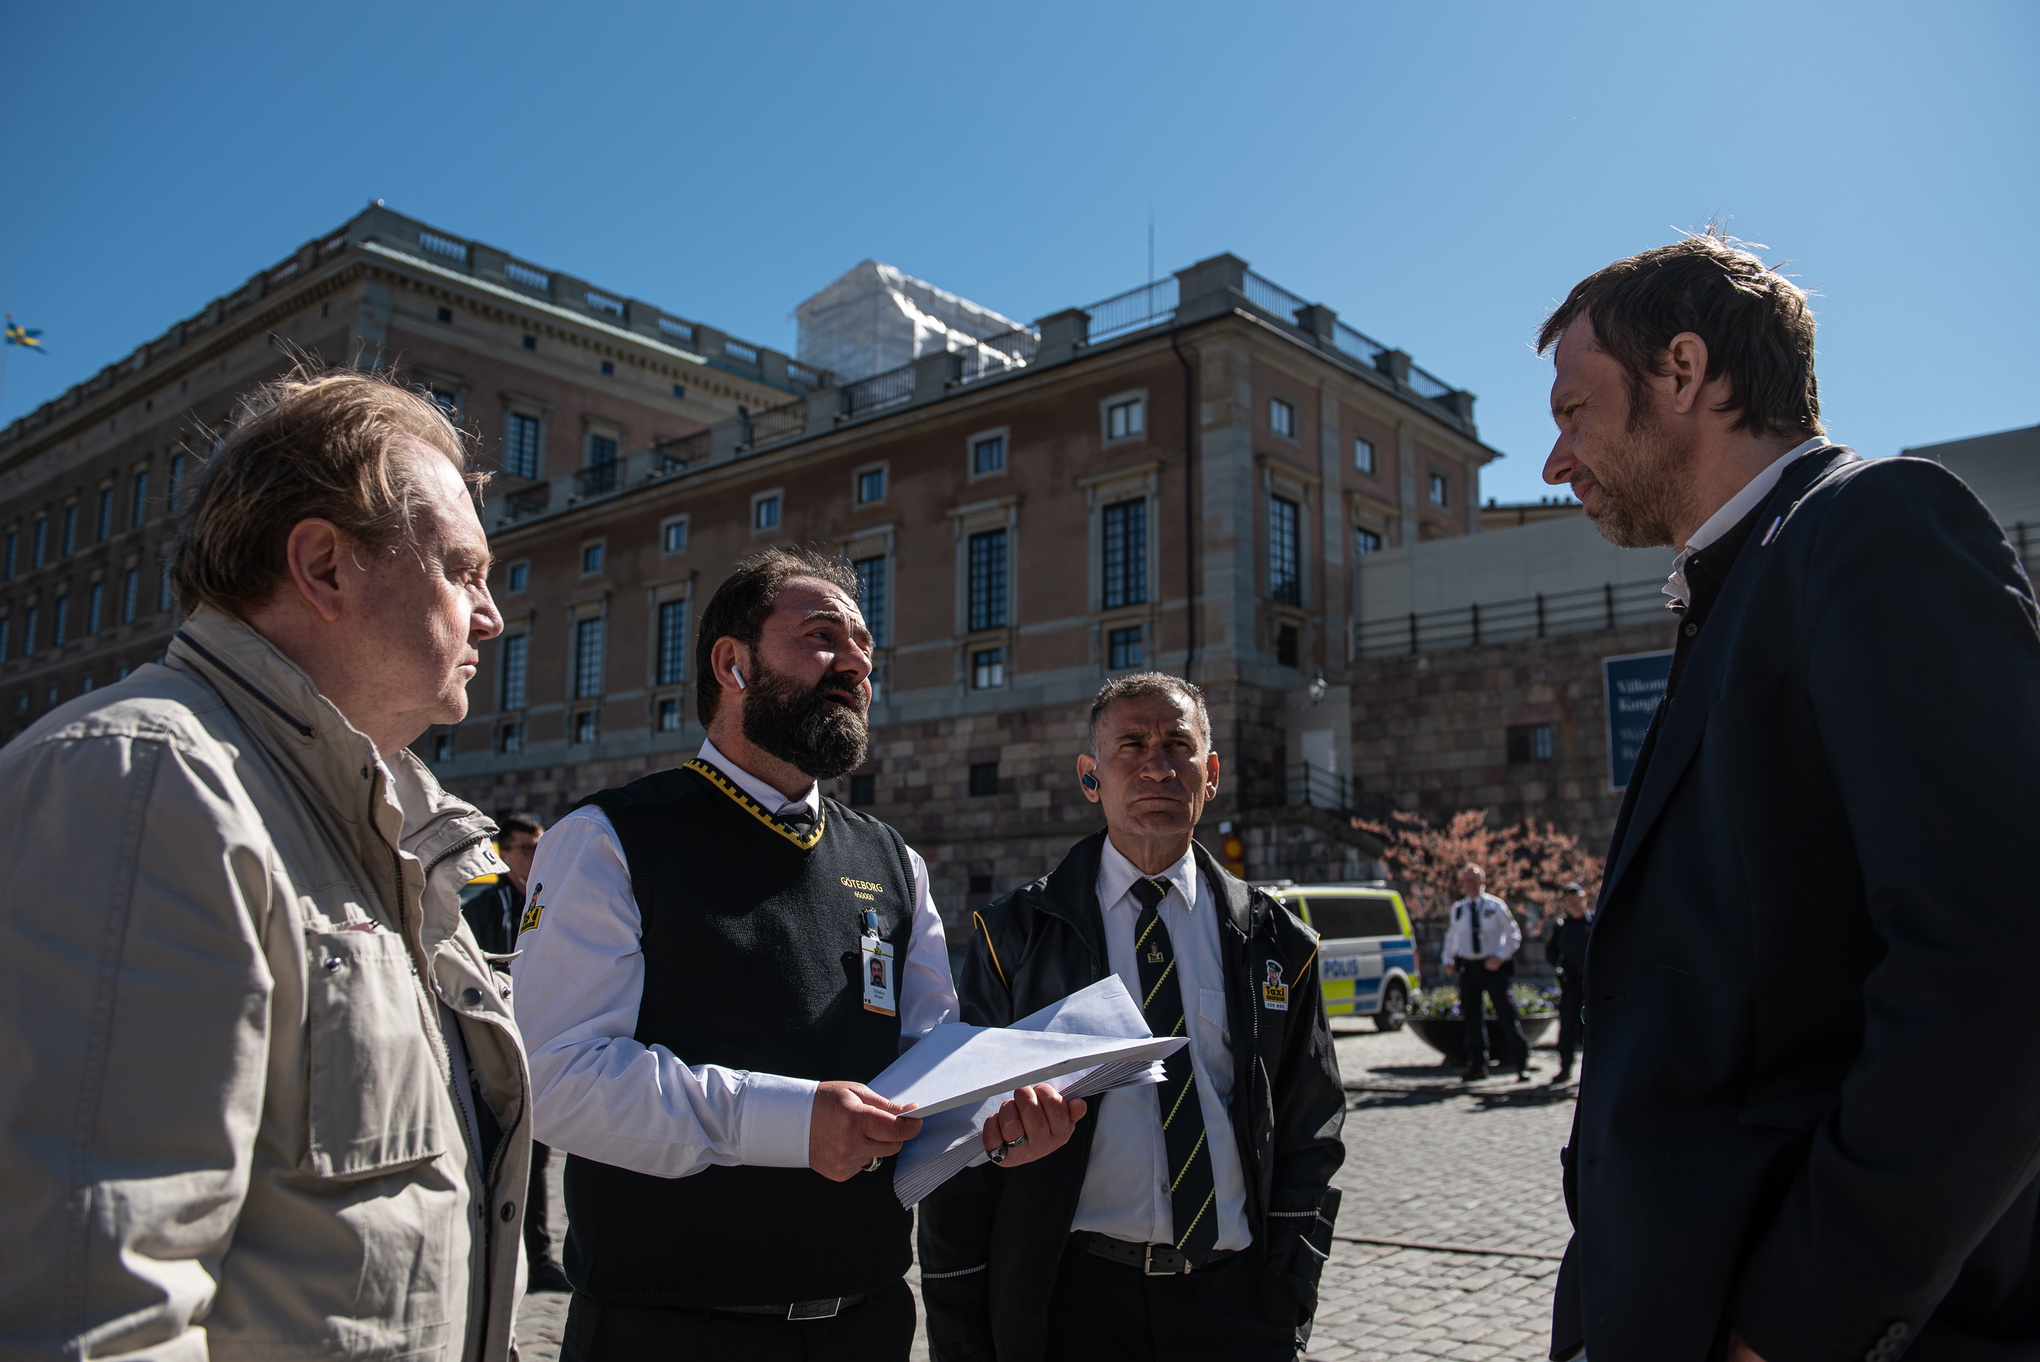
(1499, 934)
(580, 974)
(1732, 512)
(1126, 1187)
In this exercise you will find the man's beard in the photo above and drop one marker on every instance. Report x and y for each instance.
(816, 736)
(1647, 493)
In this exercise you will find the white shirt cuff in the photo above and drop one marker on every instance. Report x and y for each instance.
(773, 1117)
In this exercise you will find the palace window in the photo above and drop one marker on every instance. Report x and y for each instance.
(1125, 539)
(1285, 576)
(987, 559)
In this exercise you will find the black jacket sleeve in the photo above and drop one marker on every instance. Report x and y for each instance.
(1923, 667)
(955, 1228)
(1307, 1149)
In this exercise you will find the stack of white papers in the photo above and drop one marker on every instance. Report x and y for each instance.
(1091, 1042)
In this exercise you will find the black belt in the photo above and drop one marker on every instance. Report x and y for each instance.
(1156, 1260)
(826, 1308)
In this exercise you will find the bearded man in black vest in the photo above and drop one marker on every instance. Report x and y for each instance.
(716, 959)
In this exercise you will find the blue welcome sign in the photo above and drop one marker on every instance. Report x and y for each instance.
(1634, 684)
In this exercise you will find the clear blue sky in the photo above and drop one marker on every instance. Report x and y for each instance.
(1439, 173)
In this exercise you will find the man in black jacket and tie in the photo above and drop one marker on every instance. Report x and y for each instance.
(1190, 1219)
(1812, 1126)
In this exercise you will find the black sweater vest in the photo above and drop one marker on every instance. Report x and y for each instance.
(750, 935)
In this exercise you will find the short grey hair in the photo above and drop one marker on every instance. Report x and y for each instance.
(1148, 683)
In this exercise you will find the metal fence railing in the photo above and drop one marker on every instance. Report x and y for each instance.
(1272, 296)
(1610, 606)
(1133, 310)
(878, 392)
(771, 426)
(1000, 354)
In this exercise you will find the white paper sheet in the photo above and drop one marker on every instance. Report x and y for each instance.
(950, 1141)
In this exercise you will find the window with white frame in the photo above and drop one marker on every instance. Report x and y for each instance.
(1440, 490)
(1122, 648)
(588, 648)
(520, 445)
(871, 485)
(988, 668)
(1282, 417)
(1363, 454)
(1124, 536)
(1125, 420)
(988, 455)
(673, 536)
(1285, 559)
(871, 597)
(672, 642)
(512, 657)
(987, 580)
(765, 509)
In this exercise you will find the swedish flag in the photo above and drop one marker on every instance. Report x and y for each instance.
(17, 334)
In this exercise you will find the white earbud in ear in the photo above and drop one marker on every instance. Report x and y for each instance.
(740, 678)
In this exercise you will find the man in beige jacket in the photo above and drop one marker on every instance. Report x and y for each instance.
(260, 1091)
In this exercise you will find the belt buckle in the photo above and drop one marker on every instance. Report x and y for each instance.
(821, 1309)
(1147, 1262)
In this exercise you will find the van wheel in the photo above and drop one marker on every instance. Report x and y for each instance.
(1395, 1008)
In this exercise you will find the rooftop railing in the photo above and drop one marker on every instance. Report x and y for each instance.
(1272, 296)
(878, 392)
(1610, 606)
(999, 355)
(1133, 310)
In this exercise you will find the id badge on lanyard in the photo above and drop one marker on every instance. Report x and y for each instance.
(880, 969)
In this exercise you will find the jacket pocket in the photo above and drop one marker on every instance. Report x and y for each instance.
(377, 1099)
(1300, 1241)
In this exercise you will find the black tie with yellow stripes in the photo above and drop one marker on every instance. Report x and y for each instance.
(1191, 1190)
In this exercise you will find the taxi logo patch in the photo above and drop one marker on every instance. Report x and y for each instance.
(1274, 993)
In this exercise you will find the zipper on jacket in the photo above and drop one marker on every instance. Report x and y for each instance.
(456, 849)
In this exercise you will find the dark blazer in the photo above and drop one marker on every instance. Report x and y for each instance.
(492, 912)
(991, 1238)
(1812, 1111)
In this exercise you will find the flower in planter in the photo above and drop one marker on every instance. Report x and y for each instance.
(1442, 1003)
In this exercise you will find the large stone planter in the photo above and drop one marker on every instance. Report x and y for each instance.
(1448, 1036)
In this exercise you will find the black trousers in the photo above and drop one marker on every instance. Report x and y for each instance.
(537, 1240)
(879, 1330)
(1572, 1020)
(1475, 979)
(1104, 1309)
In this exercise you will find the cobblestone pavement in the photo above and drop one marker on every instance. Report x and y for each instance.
(1450, 1230)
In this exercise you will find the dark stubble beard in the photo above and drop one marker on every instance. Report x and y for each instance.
(1648, 492)
(797, 724)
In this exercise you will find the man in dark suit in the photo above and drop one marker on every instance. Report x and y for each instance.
(1189, 1220)
(1566, 949)
(1812, 1125)
(493, 912)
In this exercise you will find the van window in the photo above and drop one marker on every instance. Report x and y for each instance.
(1337, 918)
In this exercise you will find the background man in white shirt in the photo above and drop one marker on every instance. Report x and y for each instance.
(1190, 1220)
(698, 985)
(1480, 946)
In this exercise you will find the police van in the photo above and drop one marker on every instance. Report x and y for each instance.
(1367, 956)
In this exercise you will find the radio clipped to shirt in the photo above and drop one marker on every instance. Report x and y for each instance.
(880, 972)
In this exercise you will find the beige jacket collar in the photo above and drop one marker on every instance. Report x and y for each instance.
(330, 759)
